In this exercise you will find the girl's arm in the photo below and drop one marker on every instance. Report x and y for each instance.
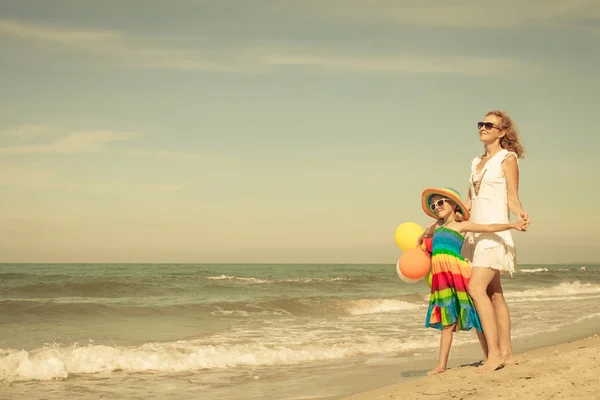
(468, 226)
(429, 231)
(511, 173)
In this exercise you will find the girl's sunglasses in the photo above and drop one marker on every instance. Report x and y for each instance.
(438, 204)
(488, 125)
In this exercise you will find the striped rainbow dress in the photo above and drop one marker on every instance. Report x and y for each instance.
(449, 301)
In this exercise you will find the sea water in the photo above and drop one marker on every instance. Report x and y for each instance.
(242, 331)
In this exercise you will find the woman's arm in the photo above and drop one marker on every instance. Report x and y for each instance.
(510, 167)
(468, 201)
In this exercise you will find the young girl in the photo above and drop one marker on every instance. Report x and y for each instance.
(450, 307)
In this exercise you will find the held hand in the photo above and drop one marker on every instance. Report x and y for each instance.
(422, 237)
(521, 224)
(420, 240)
(523, 214)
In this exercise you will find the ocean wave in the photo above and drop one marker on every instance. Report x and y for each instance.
(306, 306)
(576, 270)
(562, 289)
(118, 287)
(251, 280)
(376, 306)
(528, 331)
(14, 275)
(53, 309)
(534, 270)
(555, 298)
(59, 363)
(321, 306)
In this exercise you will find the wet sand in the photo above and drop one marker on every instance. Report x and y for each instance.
(564, 371)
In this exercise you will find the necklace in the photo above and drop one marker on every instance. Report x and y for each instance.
(477, 182)
(478, 176)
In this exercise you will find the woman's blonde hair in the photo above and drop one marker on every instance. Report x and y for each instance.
(511, 140)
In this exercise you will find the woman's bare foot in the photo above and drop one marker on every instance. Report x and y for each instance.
(491, 364)
(510, 360)
(437, 370)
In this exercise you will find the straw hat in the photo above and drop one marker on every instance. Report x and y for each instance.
(447, 193)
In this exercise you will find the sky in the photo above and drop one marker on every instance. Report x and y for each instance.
(281, 131)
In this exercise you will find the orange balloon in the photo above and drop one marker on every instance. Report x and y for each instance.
(401, 275)
(415, 263)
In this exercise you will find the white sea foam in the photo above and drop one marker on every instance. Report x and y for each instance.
(562, 289)
(554, 298)
(251, 280)
(59, 363)
(534, 270)
(245, 314)
(532, 330)
(374, 306)
(236, 278)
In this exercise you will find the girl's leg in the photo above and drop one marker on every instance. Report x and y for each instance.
(445, 343)
(483, 343)
(502, 319)
(480, 280)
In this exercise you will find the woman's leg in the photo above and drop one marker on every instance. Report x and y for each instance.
(445, 343)
(502, 319)
(480, 280)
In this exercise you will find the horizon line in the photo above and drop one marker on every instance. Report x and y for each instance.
(250, 263)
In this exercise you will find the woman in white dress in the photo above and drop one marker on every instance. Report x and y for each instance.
(493, 194)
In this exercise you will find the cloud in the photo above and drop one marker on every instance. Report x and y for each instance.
(39, 139)
(408, 64)
(75, 143)
(67, 36)
(126, 51)
(121, 48)
(26, 133)
(166, 154)
(34, 178)
(441, 13)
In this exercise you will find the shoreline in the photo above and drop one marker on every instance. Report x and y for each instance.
(559, 371)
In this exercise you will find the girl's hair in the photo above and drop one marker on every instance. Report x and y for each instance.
(511, 140)
(458, 216)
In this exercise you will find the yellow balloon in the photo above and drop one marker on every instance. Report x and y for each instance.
(407, 234)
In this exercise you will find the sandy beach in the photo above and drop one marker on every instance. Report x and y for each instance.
(565, 371)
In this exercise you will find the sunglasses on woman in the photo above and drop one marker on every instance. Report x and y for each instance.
(488, 125)
(438, 204)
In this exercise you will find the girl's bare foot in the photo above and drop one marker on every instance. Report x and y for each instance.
(492, 364)
(437, 370)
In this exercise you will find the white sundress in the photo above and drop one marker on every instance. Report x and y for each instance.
(489, 205)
